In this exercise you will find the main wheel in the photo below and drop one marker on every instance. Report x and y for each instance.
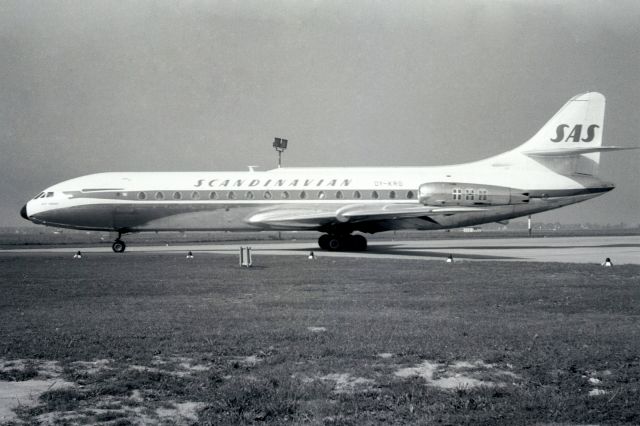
(119, 246)
(358, 243)
(323, 241)
(335, 243)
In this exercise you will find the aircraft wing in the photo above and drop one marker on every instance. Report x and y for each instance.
(312, 217)
(397, 211)
(294, 217)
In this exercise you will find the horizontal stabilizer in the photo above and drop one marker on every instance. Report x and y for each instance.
(561, 152)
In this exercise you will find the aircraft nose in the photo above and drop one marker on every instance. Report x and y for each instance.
(23, 212)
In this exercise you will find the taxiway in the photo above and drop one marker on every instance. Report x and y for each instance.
(620, 249)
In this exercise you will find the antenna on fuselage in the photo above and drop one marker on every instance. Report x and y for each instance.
(280, 145)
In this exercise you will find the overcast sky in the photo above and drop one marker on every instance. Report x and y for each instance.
(91, 86)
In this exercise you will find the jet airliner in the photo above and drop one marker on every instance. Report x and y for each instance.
(556, 167)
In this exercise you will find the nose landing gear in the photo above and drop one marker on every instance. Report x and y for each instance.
(119, 246)
(342, 242)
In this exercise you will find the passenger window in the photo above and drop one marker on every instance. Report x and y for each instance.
(177, 195)
(321, 195)
(195, 195)
(285, 195)
(213, 195)
(374, 195)
(410, 195)
(267, 195)
(469, 194)
(339, 195)
(142, 196)
(303, 195)
(159, 196)
(231, 195)
(357, 195)
(249, 195)
(392, 194)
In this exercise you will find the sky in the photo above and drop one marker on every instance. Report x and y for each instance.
(91, 86)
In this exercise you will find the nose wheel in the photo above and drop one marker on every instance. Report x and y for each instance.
(119, 246)
(342, 242)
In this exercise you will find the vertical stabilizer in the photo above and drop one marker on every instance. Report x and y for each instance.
(577, 126)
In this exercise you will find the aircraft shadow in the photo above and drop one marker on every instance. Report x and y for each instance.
(417, 251)
(521, 247)
(392, 249)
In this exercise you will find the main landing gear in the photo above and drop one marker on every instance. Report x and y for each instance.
(342, 242)
(119, 246)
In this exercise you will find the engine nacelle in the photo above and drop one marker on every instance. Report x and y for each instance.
(469, 194)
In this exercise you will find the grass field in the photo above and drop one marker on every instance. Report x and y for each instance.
(148, 338)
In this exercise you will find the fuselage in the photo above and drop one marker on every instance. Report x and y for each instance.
(135, 202)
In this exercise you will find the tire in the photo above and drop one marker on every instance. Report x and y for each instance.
(358, 242)
(323, 241)
(335, 243)
(119, 246)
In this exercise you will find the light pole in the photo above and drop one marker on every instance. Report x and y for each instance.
(280, 145)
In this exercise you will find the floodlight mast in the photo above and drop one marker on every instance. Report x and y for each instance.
(280, 145)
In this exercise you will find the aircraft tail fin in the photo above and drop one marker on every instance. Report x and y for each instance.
(571, 141)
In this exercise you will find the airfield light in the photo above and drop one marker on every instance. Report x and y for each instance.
(280, 145)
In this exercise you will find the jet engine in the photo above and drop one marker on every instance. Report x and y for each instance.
(469, 194)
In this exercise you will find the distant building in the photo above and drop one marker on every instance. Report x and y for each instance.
(472, 229)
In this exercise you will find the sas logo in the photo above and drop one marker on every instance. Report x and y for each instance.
(576, 133)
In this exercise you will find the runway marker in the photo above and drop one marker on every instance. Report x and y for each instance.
(78, 255)
(245, 257)
(607, 262)
(189, 255)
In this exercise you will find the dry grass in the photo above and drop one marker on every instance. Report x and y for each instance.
(154, 338)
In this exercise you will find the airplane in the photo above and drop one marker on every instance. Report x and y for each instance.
(556, 167)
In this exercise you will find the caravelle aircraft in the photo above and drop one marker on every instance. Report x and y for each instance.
(555, 168)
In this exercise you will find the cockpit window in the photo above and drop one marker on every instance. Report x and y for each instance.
(49, 194)
(38, 196)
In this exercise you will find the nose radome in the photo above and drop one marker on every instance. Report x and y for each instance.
(23, 212)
